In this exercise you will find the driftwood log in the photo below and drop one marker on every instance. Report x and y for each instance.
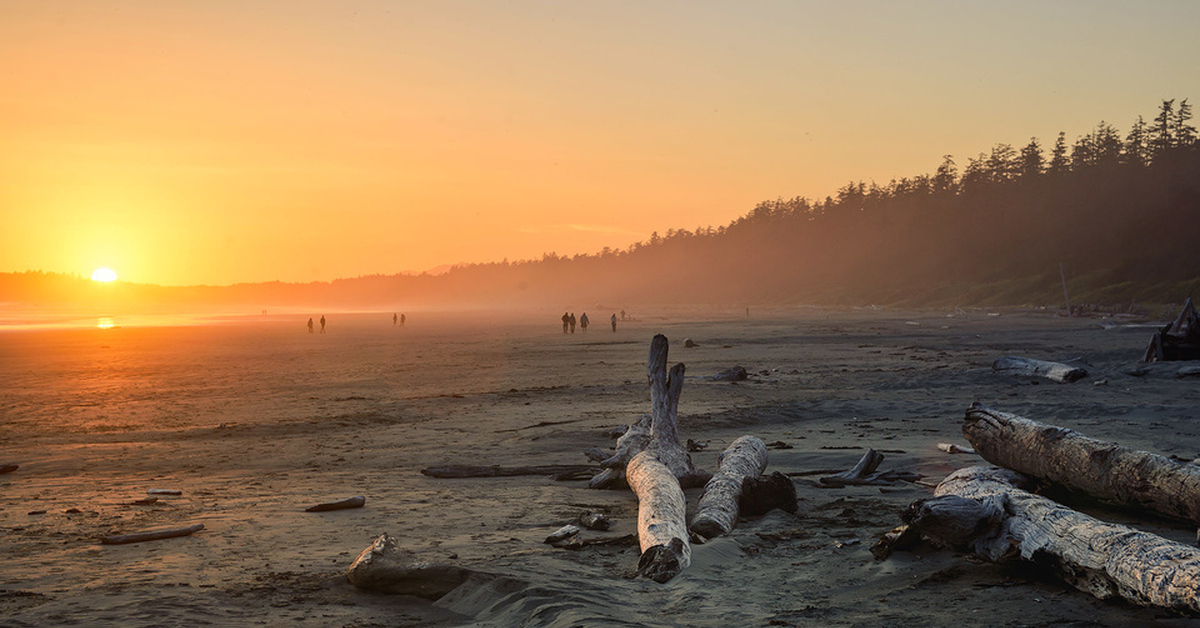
(358, 501)
(151, 535)
(1101, 469)
(1029, 367)
(385, 568)
(662, 510)
(717, 512)
(985, 510)
(1178, 340)
(635, 439)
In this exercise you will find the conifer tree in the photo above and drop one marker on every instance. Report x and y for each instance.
(1058, 156)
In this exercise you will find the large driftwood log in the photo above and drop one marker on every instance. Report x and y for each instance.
(1101, 469)
(662, 510)
(983, 509)
(385, 568)
(717, 512)
(1029, 367)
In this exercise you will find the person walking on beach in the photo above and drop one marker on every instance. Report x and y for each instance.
(566, 319)
(322, 323)
(310, 324)
(583, 321)
(572, 321)
(395, 319)
(622, 314)
(613, 320)
(402, 317)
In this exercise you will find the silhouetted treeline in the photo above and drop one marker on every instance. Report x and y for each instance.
(1120, 212)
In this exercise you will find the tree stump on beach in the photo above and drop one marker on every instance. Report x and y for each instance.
(1104, 470)
(385, 568)
(985, 510)
(1178, 340)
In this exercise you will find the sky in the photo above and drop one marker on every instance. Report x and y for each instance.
(221, 142)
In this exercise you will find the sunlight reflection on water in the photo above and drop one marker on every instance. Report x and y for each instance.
(105, 322)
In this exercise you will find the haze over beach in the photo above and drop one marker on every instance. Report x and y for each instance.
(263, 256)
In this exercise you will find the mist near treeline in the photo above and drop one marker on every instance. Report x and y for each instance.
(1114, 212)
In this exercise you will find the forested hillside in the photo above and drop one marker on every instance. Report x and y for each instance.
(1120, 211)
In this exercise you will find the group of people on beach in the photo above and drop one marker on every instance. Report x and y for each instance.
(310, 324)
(568, 321)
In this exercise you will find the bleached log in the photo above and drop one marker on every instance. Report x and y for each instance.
(635, 440)
(151, 535)
(1029, 367)
(1098, 468)
(983, 509)
(662, 529)
(385, 568)
(717, 512)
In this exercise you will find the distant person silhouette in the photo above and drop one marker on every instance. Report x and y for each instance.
(613, 320)
(583, 321)
(566, 319)
(402, 317)
(310, 325)
(395, 319)
(322, 323)
(622, 314)
(572, 321)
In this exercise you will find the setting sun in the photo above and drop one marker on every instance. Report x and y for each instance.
(104, 274)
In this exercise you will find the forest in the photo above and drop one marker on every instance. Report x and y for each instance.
(1115, 213)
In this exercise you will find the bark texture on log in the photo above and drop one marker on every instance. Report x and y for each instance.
(717, 512)
(662, 511)
(1055, 371)
(984, 510)
(385, 568)
(1101, 469)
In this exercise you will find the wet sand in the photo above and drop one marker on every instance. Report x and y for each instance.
(255, 419)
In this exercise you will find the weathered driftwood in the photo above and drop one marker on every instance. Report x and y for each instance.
(9, 468)
(984, 510)
(385, 568)
(1188, 371)
(1029, 367)
(562, 533)
(594, 521)
(342, 504)
(952, 448)
(1101, 469)
(1179, 340)
(717, 512)
(633, 440)
(864, 474)
(151, 535)
(662, 532)
(496, 471)
(164, 491)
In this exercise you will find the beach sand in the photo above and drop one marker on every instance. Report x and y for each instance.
(255, 419)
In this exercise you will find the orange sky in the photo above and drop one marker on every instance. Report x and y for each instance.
(219, 142)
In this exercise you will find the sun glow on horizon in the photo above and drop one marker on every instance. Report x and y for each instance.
(104, 275)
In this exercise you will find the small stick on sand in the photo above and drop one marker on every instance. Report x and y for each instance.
(350, 502)
(151, 535)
